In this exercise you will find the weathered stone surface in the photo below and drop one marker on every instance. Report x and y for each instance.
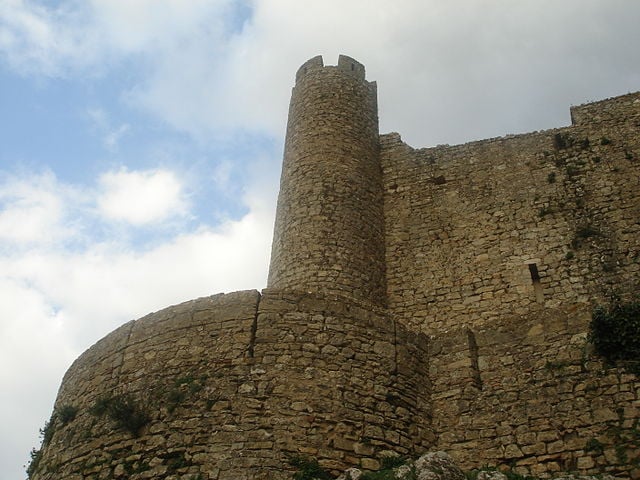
(228, 408)
(440, 466)
(437, 466)
(495, 249)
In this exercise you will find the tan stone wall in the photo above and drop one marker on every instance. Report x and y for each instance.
(497, 249)
(329, 230)
(234, 384)
(528, 392)
(512, 382)
(463, 223)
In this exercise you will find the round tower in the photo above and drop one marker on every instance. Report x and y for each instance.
(329, 235)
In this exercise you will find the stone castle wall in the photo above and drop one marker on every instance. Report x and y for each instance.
(492, 228)
(527, 392)
(495, 249)
(233, 385)
(499, 249)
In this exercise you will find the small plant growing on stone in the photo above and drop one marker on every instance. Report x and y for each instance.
(46, 434)
(48, 430)
(551, 178)
(572, 170)
(569, 255)
(605, 141)
(181, 389)
(34, 461)
(67, 414)
(561, 141)
(587, 231)
(615, 333)
(392, 461)
(123, 411)
(545, 211)
(621, 454)
(594, 445)
(388, 469)
(175, 461)
(308, 468)
(582, 233)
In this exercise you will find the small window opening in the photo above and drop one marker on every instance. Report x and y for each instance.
(476, 380)
(353, 67)
(537, 286)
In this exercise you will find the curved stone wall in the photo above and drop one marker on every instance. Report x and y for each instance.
(329, 227)
(230, 386)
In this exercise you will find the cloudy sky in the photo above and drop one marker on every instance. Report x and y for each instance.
(141, 140)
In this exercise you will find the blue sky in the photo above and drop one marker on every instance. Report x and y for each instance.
(141, 141)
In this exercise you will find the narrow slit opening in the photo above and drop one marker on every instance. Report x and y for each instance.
(535, 279)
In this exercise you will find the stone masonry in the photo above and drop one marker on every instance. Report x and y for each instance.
(418, 299)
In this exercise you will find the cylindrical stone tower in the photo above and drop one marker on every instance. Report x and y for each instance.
(329, 225)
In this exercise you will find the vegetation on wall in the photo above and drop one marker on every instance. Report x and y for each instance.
(615, 333)
(308, 468)
(61, 417)
(123, 411)
(67, 413)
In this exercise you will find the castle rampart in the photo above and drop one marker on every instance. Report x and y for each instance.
(233, 385)
(496, 249)
(478, 231)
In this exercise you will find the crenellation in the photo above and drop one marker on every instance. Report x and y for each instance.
(351, 67)
(309, 66)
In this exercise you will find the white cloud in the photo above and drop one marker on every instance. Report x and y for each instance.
(32, 211)
(141, 197)
(447, 71)
(152, 25)
(89, 35)
(34, 354)
(42, 40)
(58, 299)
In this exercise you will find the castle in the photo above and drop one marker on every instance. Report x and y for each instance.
(418, 299)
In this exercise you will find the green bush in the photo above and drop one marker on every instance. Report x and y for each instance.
(308, 468)
(67, 413)
(123, 411)
(615, 333)
(36, 456)
(392, 461)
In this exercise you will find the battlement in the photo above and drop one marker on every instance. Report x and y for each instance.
(346, 65)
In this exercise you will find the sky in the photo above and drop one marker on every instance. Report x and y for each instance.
(141, 141)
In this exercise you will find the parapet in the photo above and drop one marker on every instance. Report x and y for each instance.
(346, 64)
(351, 66)
(314, 63)
(616, 109)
